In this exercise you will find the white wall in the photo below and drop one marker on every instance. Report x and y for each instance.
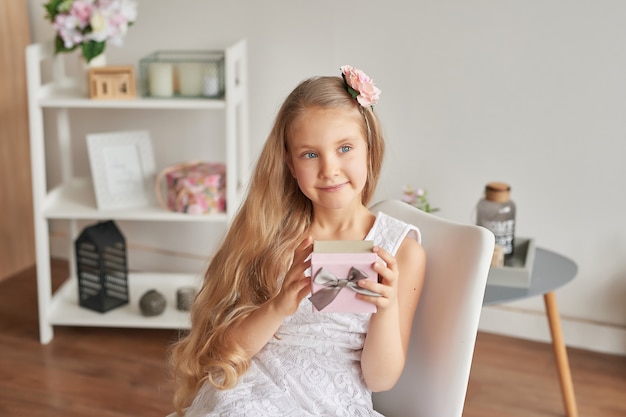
(528, 92)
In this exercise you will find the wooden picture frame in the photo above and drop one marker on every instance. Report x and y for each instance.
(112, 82)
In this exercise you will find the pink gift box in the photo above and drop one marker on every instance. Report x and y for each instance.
(195, 187)
(335, 274)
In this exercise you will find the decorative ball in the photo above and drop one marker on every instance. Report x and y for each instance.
(152, 303)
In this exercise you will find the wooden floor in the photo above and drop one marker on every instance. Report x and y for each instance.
(122, 372)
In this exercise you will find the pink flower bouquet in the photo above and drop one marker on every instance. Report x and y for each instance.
(417, 198)
(90, 24)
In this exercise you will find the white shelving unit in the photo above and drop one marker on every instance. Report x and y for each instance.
(74, 199)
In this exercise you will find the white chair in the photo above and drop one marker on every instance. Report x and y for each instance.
(436, 375)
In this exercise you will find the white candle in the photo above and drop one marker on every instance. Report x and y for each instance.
(190, 78)
(210, 86)
(161, 79)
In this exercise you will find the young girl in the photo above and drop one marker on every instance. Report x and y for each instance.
(255, 347)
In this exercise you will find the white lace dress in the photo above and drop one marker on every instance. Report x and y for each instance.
(312, 367)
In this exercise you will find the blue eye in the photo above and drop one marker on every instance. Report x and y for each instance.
(310, 155)
(345, 149)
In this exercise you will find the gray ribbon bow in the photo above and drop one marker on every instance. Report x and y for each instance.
(332, 286)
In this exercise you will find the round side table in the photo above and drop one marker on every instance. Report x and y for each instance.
(550, 271)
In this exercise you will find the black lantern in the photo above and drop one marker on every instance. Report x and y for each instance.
(101, 267)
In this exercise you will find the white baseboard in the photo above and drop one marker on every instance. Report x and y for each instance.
(533, 325)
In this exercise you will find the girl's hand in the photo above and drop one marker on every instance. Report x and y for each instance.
(254, 331)
(296, 285)
(387, 342)
(387, 286)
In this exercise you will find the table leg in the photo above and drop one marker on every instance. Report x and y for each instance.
(562, 362)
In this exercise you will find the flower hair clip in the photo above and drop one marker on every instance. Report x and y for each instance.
(360, 86)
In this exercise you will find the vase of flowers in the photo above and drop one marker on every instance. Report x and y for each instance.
(417, 197)
(90, 24)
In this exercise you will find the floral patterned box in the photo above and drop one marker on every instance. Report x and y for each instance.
(194, 187)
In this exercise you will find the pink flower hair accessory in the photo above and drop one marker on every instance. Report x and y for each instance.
(360, 86)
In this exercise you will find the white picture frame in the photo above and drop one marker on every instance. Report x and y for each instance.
(122, 169)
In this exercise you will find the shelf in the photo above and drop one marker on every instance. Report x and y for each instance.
(74, 197)
(65, 311)
(76, 200)
(53, 96)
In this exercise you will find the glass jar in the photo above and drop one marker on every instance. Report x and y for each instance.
(496, 212)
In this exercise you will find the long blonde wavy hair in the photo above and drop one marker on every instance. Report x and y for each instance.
(258, 247)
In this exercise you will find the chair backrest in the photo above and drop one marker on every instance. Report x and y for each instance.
(435, 377)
